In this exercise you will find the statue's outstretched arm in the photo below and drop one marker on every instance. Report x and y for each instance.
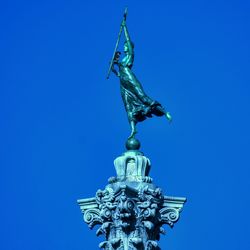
(127, 37)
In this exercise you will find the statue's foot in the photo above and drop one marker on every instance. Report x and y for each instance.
(169, 117)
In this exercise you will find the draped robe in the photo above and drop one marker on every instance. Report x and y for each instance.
(138, 105)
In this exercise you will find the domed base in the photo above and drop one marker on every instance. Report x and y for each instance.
(133, 144)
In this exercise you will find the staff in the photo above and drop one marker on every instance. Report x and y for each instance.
(117, 42)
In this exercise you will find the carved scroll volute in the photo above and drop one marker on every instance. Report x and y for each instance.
(90, 211)
(169, 215)
(92, 217)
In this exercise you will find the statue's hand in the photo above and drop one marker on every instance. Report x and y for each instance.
(123, 23)
(169, 117)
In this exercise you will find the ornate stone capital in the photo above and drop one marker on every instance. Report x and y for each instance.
(131, 210)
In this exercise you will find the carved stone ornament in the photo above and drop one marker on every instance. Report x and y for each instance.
(131, 210)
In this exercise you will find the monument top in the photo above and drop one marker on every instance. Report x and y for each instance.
(138, 105)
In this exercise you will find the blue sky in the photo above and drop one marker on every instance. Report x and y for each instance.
(62, 123)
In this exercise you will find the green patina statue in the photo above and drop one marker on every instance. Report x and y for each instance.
(138, 104)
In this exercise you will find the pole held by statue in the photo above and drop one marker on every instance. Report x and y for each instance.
(117, 42)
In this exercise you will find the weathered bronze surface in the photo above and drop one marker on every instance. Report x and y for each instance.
(138, 104)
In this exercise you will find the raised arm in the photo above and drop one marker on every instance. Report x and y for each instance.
(128, 48)
(127, 37)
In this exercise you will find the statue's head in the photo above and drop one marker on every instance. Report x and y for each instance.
(117, 55)
(126, 46)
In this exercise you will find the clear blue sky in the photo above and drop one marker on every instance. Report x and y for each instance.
(62, 123)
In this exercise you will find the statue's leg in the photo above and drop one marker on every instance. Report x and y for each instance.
(154, 107)
(160, 111)
(133, 129)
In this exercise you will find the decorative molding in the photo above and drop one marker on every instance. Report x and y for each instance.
(131, 211)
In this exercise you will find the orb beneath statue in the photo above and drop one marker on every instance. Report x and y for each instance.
(133, 144)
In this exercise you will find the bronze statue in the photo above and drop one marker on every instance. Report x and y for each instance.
(138, 105)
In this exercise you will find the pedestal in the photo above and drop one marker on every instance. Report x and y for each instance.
(131, 210)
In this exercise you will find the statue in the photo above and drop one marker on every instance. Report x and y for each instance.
(131, 210)
(138, 104)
